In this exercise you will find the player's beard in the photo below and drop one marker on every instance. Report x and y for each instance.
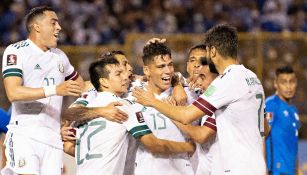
(212, 67)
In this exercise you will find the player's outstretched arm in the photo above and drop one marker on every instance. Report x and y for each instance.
(183, 114)
(17, 92)
(83, 114)
(199, 134)
(161, 146)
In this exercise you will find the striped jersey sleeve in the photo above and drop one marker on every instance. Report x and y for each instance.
(209, 121)
(135, 124)
(12, 62)
(222, 91)
(70, 72)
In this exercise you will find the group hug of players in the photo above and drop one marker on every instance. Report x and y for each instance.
(161, 123)
(150, 142)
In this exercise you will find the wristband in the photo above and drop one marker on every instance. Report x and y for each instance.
(49, 90)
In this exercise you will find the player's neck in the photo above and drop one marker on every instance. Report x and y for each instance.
(156, 90)
(112, 92)
(286, 100)
(224, 63)
(38, 42)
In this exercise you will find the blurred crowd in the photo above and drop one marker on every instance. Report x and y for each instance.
(108, 21)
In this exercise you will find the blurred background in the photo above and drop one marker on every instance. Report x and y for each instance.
(272, 33)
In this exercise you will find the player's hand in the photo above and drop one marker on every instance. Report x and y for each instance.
(192, 82)
(191, 148)
(156, 40)
(69, 88)
(68, 133)
(146, 98)
(179, 95)
(170, 100)
(112, 113)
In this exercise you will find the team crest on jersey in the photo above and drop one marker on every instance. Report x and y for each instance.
(11, 59)
(21, 162)
(140, 117)
(211, 89)
(61, 68)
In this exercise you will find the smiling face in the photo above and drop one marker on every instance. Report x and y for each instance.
(194, 61)
(159, 72)
(117, 81)
(123, 61)
(205, 77)
(285, 85)
(47, 29)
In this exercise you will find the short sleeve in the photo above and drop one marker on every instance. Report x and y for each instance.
(135, 124)
(221, 92)
(12, 62)
(70, 72)
(209, 121)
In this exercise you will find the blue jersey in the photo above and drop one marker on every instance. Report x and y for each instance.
(282, 142)
(4, 121)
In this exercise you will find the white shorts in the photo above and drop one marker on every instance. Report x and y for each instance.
(27, 156)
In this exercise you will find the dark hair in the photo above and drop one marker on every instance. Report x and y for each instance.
(284, 70)
(114, 52)
(35, 12)
(154, 49)
(224, 38)
(212, 68)
(98, 69)
(195, 47)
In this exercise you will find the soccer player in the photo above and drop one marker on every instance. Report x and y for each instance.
(235, 97)
(102, 145)
(158, 67)
(79, 113)
(205, 133)
(196, 54)
(282, 141)
(36, 76)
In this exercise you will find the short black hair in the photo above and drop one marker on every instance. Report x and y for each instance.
(154, 49)
(35, 12)
(114, 52)
(287, 69)
(98, 69)
(224, 38)
(198, 46)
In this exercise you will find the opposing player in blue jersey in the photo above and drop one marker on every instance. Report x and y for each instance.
(282, 142)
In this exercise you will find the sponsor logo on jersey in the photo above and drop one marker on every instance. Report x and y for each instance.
(37, 66)
(140, 117)
(211, 89)
(11, 59)
(21, 162)
(61, 68)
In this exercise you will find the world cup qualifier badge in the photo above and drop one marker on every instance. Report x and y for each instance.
(140, 117)
(11, 59)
